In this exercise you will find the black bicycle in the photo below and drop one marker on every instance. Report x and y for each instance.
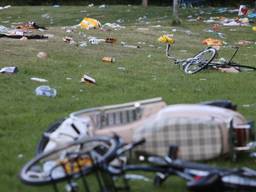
(103, 157)
(206, 59)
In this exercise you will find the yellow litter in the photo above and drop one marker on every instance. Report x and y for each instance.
(166, 39)
(89, 23)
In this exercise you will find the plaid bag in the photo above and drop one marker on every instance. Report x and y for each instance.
(201, 132)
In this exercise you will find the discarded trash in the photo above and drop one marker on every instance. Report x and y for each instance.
(114, 26)
(95, 40)
(91, 5)
(131, 46)
(254, 28)
(244, 42)
(45, 90)
(108, 59)
(42, 55)
(252, 15)
(89, 23)
(69, 40)
(5, 7)
(110, 40)
(9, 70)
(83, 44)
(121, 68)
(87, 78)
(20, 156)
(212, 42)
(38, 79)
(23, 38)
(167, 39)
(243, 10)
(56, 6)
(216, 27)
(29, 25)
(102, 6)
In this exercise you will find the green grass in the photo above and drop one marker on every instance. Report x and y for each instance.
(24, 116)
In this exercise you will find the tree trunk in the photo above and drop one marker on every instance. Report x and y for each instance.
(145, 3)
(175, 9)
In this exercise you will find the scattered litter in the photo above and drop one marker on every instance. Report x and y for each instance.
(56, 6)
(94, 40)
(23, 38)
(216, 27)
(244, 42)
(110, 40)
(102, 6)
(121, 68)
(254, 28)
(29, 25)
(88, 79)
(149, 56)
(69, 40)
(46, 16)
(157, 26)
(114, 26)
(246, 105)
(243, 10)
(68, 78)
(45, 90)
(83, 44)
(108, 59)
(20, 156)
(203, 79)
(91, 5)
(89, 23)
(252, 15)
(9, 70)
(141, 19)
(5, 7)
(212, 42)
(38, 79)
(42, 55)
(143, 29)
(166, 39)
(130, 46)
(120, 21)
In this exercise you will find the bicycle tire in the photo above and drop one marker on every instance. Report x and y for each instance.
(198, 62)
(36, 172)
(239, 182)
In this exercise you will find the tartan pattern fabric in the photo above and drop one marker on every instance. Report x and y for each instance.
(197, 138)
(119, 117)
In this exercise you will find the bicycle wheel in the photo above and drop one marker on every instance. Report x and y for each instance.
(199, 61)
(72, 161)
(243, 179)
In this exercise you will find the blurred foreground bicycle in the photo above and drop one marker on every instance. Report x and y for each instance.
(203, 60)
(104, 157)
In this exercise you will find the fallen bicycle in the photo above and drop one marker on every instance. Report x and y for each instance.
(103, 157)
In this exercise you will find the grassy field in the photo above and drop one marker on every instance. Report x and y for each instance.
(137, 74)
